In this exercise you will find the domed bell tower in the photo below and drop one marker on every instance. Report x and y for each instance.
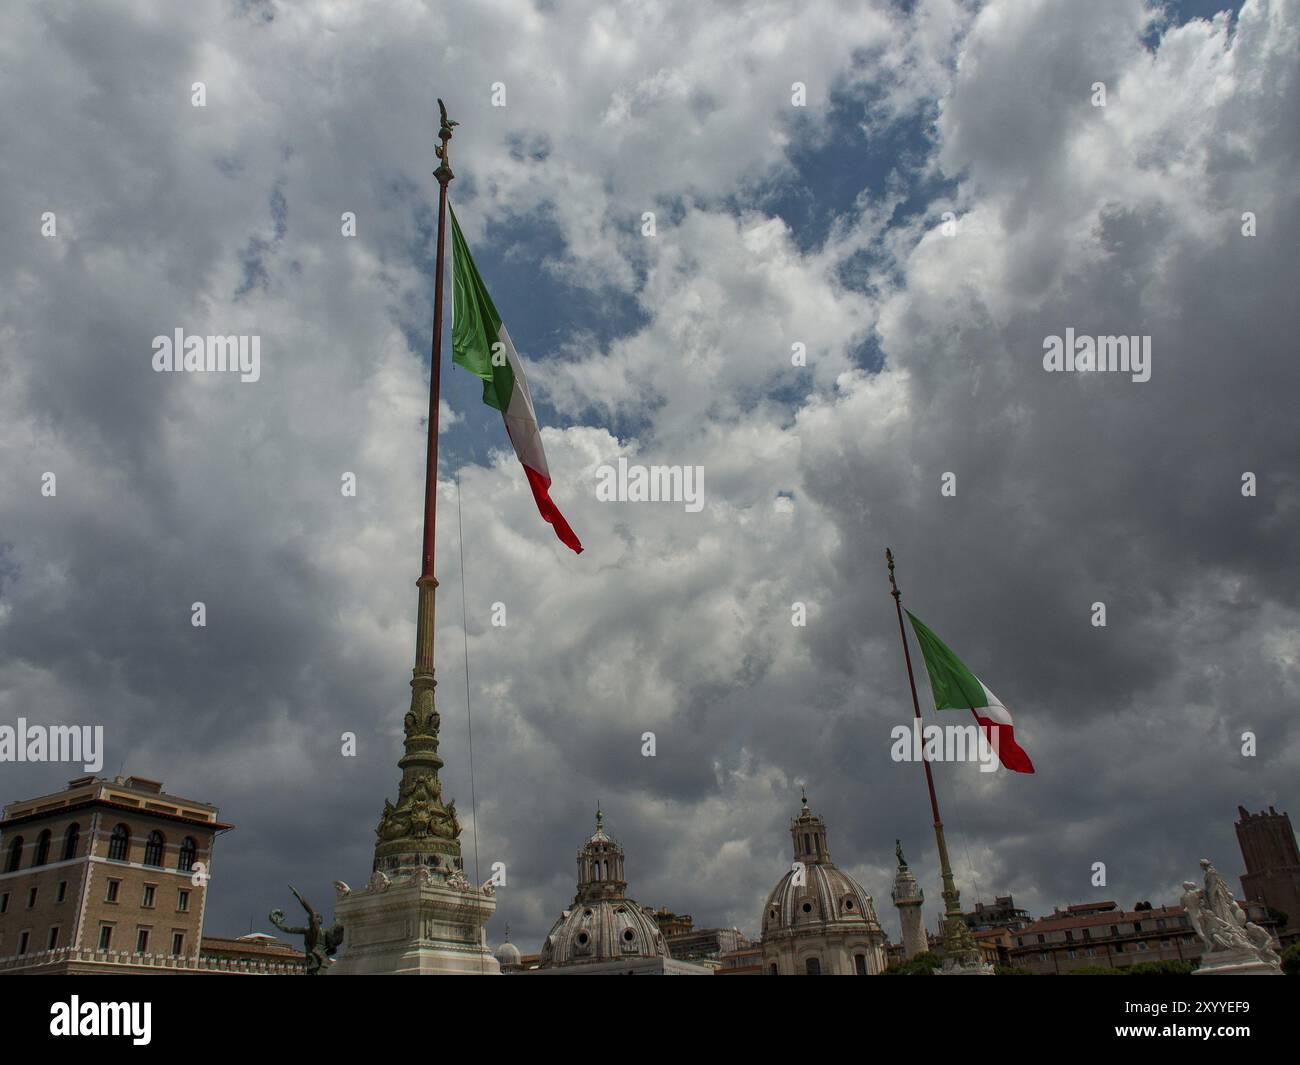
(600, 866)
(808, 831)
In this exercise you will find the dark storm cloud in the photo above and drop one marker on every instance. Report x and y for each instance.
(178, 488)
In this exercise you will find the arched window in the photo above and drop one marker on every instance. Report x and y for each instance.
(118, 843)
(773, 972)
(807, 843)
(43, 847)
(606, 877)
(153, 849)
(70, 840)
(813, 967)
(15, 854)
(860, 964)
(188, 850)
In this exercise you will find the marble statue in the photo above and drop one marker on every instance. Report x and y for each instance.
(1225, 933)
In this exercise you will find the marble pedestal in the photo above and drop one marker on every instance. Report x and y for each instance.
(1235, 963)
(951, 967)
(422, 923)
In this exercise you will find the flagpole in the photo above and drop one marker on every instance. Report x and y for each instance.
(958, 943)
(428, 582)
(420, 791)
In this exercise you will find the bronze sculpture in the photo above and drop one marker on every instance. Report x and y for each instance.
(319, 944)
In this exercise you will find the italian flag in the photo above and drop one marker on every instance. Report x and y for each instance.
(480, 344)
(956, 688)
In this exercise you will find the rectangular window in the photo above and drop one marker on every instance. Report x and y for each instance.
(142, 941)
(178, 942)
(1074, 954)
(4, 902)
(182, 901)
(63, 890)
(1092, 952)
(147, 901)
(22, 942)
(31, 897)
(105, 936)
(54, 938)
(111, 894)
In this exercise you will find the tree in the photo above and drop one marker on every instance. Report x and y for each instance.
(924, 964)
(1161, 968)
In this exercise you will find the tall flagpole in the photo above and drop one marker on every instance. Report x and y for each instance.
(958, 944)
(428, 582)
(420, 829)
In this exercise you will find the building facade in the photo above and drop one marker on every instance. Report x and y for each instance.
(705, 946)
(818, 920)
(1100, 934)
(104, 873)
(1272, 877)
(747, 961)
(1003, 913)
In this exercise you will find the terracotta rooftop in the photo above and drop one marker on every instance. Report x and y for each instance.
(1059, 922)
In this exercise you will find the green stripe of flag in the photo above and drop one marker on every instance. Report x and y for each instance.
(955, 687)
(476, 326)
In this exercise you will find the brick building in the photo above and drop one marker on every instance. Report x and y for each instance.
(1272, 876)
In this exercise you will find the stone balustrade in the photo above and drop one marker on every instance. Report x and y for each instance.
(120, 960)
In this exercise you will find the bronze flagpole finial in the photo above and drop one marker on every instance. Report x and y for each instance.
(444, 134)
(889, 558)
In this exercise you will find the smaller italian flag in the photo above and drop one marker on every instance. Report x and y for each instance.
(480, 344)
(956, 688)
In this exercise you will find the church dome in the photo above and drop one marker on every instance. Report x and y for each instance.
(815, 894)
(508, 954)
(603, 924)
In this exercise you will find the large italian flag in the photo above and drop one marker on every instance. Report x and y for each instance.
(480, 343)
(956, 688)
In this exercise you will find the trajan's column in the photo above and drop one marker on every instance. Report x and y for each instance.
(909, 899)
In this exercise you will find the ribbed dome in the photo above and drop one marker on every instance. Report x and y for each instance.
(603, 930)
(827, 898)
(603, 924)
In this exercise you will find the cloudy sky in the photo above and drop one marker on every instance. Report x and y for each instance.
(776, 225)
